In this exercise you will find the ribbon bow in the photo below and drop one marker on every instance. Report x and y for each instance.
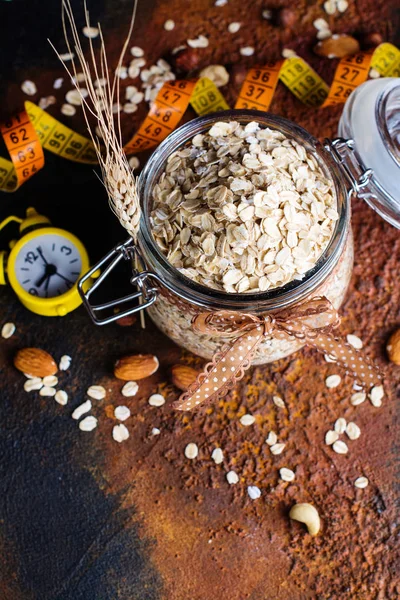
(311, 322)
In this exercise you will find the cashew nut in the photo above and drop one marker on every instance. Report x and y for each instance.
(307, 514)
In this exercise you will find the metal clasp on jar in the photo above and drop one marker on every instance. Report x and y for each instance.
(146, 292)
(342, 151)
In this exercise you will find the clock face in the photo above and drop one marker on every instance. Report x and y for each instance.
(48, 265)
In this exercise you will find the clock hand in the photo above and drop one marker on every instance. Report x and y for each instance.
(48, 272)
(46, 287)
(40, 252)
(65, 278)
(41, 281)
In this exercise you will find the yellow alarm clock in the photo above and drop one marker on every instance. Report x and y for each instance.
(44, 266)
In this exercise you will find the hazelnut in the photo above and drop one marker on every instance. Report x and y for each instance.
(187, 60)
(238, 75)
(393, 347)
(337, 46)
(286, 18)
(372, 39)
(126, 321)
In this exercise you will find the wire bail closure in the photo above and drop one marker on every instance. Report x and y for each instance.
(141, 278)
(342, 152)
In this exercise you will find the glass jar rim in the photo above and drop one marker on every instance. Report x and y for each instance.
(203, 296)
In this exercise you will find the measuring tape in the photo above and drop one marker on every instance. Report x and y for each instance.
(260, 83)
(26, 134)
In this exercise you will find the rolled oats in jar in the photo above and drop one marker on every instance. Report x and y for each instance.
(246, 212)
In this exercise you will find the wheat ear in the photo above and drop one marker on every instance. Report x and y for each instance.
(120, 183)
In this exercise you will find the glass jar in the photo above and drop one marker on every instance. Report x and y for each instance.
(371, 118)
(172, 300)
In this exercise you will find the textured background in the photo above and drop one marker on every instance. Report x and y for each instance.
(84, 518)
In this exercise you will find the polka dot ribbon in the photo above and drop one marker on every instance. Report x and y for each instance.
(311, 322)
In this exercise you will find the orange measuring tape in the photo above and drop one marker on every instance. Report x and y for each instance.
(27, 134)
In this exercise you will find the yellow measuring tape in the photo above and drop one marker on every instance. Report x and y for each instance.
(26, 134)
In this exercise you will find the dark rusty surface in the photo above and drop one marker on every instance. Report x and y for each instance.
(84, 518)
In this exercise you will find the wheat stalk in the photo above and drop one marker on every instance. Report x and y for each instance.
(120, 183)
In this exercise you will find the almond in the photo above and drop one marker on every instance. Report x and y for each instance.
(337, 46)
(135, 366)
(36, 362)
(183, 376)
(393, 347)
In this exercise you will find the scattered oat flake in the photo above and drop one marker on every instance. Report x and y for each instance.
(79, 77)
(29, 87)
(134, 163)
(353, 431)
(156, 400)
(361, 482)
(155, 431)
(358, 398)
(340, 447)
(67, 56)
(247, 51)
(137, 52)
(191, 451)
(332, 381)
(50, 380)
(200, 42)
(121, 72)
(221, 2)
(122, 413)
(342, 6)
(331, 437)
(272, 438)
(97, 392)
(7, 330)
(61, 397)
(234, 27)
(130, 389)
(324, 34)
(340, 425)
(58, 83)
(90, 32)
(47, 391)
(177, 49)
(216, 73)
(278, 401)
(217, 456)
(330, 7)
(81, 410)
(129, 108)
(33, 384)
(120, 433)
(374, 73)
(254, 492)
(320, 24)
(266, 14)
(286, 474)
(375, 395)
(75, 97)
(68, 110)
(288, 53)
(277, 449)
(354, 341)
(88, 423)
(247, 420)
(65, 362)
(47, 101)
(232, 477)
(169, 25)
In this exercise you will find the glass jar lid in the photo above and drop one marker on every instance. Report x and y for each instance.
(371, 118)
